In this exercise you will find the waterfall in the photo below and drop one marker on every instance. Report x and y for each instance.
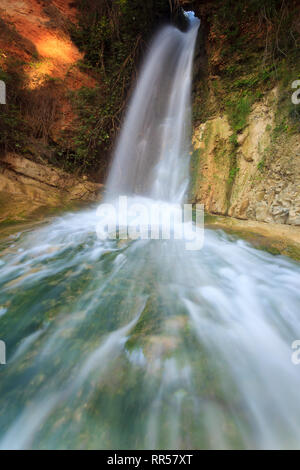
(142, 344)
(152, 155)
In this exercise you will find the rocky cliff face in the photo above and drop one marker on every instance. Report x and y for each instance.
(29, 189)
(246, 158)
(40, 65)
(256, 178)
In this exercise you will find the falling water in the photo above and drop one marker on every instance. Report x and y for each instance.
(156, 134)
(143, 344)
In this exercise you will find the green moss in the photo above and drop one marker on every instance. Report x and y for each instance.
(238, 110)
(261, 165)
(233, 140)
(232, 174)
(293, 251)
(254, 80)
(194, 171)
(243, 65)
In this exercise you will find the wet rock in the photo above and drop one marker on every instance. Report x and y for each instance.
(242, 137)
(247, 157)
(268, 175)
(260, 196)
(261, 212)
(26, 186)
(280, 214)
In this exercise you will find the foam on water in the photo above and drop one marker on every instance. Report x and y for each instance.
(144, 344)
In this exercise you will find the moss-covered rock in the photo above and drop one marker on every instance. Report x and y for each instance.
(252, 56)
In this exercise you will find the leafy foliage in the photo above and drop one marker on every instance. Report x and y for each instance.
(13, 127)
(113, 35)
(238, 111)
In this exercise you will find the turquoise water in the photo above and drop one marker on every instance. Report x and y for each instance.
(143, 344)
(133, 345)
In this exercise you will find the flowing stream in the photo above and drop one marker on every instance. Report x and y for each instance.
(123, 344)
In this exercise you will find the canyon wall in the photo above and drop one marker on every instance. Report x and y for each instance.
(246, 142)
(255, 177)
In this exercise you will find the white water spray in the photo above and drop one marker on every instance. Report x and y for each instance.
(133, 345)
(152, 155)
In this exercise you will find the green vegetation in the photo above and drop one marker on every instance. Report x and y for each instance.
(250, 47)
(113, 36)
(261, 165)
(232, 174)
(233, 140)
(238, 110)
(253, 45)
(29, 114)
(194, 165)
(12, 136)
(86, 144)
